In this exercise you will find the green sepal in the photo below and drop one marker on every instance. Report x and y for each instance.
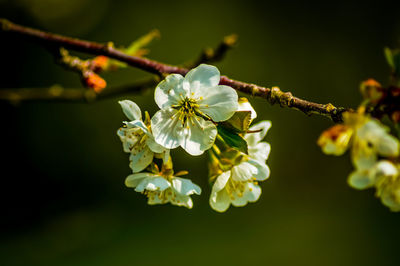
(393, 59)
(239, 122)
(389, 57)
(232, 138)
(136, 46)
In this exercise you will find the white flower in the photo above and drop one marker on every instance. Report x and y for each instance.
(161, 190)
(258, 150)
(239, 185)
(336, 139)
(137, 138)
(388, 186)
(189, 106)
(367, 137)
(366, 177)
(372, 139)
(244, 105)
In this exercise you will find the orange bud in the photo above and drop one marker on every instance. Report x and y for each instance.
(335, 140)
(372, 90)
(396, 116)
(395, 91)
(100, 62)
(94, 81)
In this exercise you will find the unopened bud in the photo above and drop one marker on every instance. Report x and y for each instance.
(395, 91)
(94, 81)
(395, 116)
(372, 90)
(100, 63)
(335, 140)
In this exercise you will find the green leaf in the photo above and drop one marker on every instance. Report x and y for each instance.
(393, 59)
(232, 138)
(142, 42)
(389, 57)
(239, 122)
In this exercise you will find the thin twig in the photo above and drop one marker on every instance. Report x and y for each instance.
(60, 94)
(212, 55)
(274, 95)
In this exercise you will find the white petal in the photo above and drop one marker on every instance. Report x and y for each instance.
(153, 184)
(221, 181)
(260, 151)
(244, 171)
(138, 124)
(262, 170)
(131, 110)
(360, 179)
(391, 199)
(170, 91)
(203, 76)
(253, 138)
(363, 156)
(154, 146)
(129, 137)
(199, 135)
(388, 146)
(219, 102)
(244, 105)
(155, 200)
(182, 200)
(251, 194)
(220, 200)
(140, 158)
(377, 134)
(134, 179)
(384, 168)
(185, 186)
(167, 128)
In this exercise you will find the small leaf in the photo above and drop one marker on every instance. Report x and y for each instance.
(239, 122)
(143, 41)
(232, 138)
(389, 57)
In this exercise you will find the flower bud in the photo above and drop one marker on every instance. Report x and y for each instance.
(100, 63)
(335, 140)
(94, 81)
(372, 90)
(395, 116)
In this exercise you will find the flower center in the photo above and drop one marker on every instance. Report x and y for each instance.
(237, 188)
(187, 108)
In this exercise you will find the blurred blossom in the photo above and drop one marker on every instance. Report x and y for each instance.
(335, 140)
(372, 150)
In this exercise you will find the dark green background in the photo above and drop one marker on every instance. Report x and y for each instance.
(64, 201)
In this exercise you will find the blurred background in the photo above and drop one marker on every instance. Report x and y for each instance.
(63, 199)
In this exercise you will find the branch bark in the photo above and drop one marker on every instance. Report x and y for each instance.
(272, 95)
(60, 94)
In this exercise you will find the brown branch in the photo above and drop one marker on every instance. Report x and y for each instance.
(274, 95)
(212, 55)
(60, 94)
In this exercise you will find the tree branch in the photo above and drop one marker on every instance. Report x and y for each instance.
(274, 95)
(60, 94)
(211, 55)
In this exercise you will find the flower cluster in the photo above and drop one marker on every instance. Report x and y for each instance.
(374, 154)
(196, 113)
(238, 174)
